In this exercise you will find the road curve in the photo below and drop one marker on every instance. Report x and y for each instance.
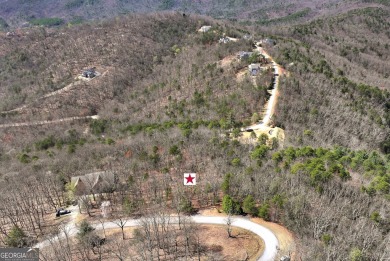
(270, 240)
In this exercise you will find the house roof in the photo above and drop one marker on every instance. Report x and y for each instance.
(254, 66)
(106, 204)
(205, 28)
(91, 180)
(90, 70)
(244, 54)
(224, 40)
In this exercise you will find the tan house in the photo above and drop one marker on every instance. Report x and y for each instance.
(97, 182)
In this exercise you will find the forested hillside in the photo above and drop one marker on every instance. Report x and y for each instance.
(265, 12)
(339, 89)
(169, 103)
(125, 47)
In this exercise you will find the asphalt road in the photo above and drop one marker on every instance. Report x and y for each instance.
(270, 240)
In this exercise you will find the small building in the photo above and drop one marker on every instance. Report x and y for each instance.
(244, 55)
(106, 209)
(224, 40)
(25, 24)
(89, 73)
(247, 37)
(285, 258)
(269, 41)
(10, 34)
(254, 69)
(204, 28)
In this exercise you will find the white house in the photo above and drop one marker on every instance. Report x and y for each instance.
(254, 69)
(204, 28)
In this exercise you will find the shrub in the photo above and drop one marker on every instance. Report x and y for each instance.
(110, 141)
(277, 157)
(85, 229)
(16, 237)
(356, 254)
(45, 143)
(98, 126)
(263, 139)
(71, 148)
(129, 206)
(24, 158)
(375, 216)
(326, 238)
(264, 212)
(226, 183)
(249, 205)
(259, 152)
(174, 150)
(236, 162)
(255, 117)
(230, 206)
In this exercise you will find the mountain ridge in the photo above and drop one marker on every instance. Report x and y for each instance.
(18, 12)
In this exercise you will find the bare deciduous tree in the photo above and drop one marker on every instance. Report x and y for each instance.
(121, 222)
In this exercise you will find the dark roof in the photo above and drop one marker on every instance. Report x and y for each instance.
(244, 54)
(91, 70)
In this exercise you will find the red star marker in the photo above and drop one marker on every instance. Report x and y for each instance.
(189, 179)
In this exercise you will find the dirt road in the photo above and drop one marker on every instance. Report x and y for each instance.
(265, 122)
(67, 88)
(36, 123)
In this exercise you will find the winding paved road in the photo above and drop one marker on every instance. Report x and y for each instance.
(270, 240)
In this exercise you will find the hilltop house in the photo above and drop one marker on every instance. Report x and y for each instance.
(247, 37)
(224, 40)
(254, 69)
(204, 28)
(89, 73)
(10, 34)
(267, 41)
(97, 182)
(244, 55)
